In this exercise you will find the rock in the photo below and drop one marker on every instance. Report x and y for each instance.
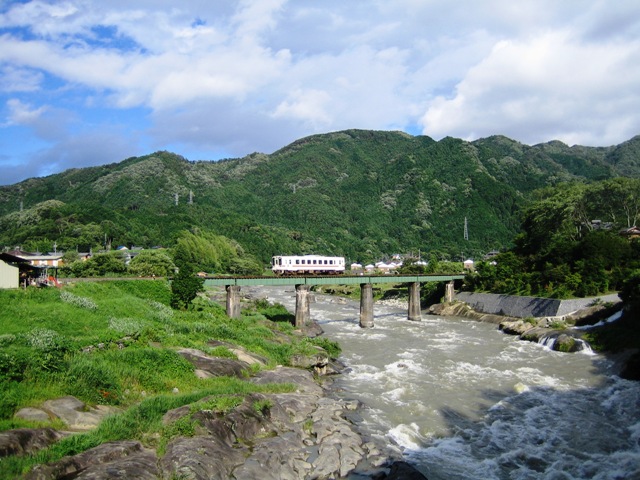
(142, 466)
(404, 471)
(631, 369)
(33, 414)
(201, 457)
(318, 361)
(100, 457)
(302, 379)
(243, 355)
(213, 366)
(517, 327)
(277, 458)
(26, 440)
(75, 414)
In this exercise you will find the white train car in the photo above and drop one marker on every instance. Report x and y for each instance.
(307, 264)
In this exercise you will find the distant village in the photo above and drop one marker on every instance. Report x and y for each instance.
(20, 269)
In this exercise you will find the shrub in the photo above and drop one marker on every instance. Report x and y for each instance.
(81, 302)
(49, 349)
(126, 326)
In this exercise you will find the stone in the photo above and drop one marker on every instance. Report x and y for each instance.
(26, 440)
(201, 457)
(517, 327)
(404, 471)
(32, 414)
(214, 366)
(75, 413)
(70, 467)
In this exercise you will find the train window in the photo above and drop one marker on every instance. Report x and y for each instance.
(297, 262)
(314, 262)
(330, 262)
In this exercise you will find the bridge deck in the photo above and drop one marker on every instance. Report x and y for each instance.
(328, 280)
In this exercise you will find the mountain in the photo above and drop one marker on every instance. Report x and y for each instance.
(359, 193)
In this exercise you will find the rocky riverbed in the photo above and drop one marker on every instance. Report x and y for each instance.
(307, 434)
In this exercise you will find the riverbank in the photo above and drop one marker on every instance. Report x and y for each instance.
(596, 324)
(170, 394)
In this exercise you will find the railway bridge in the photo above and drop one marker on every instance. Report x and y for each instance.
(303, 284)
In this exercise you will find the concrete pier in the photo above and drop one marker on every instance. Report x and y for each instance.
(414, 302)
(233, 301)
(449, 292)
(366, 305)
(303, 311)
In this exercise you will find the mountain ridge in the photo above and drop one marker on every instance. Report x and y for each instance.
(359, 193)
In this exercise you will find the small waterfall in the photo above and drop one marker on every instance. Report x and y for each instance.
(550, 341)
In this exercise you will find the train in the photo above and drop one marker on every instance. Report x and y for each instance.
(307, 265)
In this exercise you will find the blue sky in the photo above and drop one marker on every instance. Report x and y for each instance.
(87, 82)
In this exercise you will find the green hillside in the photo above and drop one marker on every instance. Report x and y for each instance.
(359, 193)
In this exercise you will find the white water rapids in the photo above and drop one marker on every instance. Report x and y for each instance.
(464, 401)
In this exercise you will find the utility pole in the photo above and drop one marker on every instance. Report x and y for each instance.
(176, 198)
(190, 197)
(466, 231)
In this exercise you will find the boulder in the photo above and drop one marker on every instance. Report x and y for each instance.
(403, 471)
(32, 414)
(517, 327)
(127, 456)
(214, 366)
(201, 457)
(26, 440)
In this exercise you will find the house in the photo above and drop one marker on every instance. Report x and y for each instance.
(468, 264)
(9, 271)
(39, 259)
(15, 271)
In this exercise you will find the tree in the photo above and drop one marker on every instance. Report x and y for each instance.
(630, 292)
(150, 263)
(185, 285)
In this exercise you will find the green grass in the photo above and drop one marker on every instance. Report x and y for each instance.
(115, 343)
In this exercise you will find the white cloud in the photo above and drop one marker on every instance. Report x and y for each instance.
(23, 114)
(270, 71)
(13, 79)
(543, 88)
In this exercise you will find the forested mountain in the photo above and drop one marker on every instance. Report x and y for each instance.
(359, 193)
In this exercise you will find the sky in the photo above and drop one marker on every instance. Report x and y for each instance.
(92, 82)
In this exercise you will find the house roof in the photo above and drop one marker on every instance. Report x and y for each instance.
(9, 258)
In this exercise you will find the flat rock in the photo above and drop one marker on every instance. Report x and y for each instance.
(302, 379)
(75, 413)
(213, 366)
(33, 414)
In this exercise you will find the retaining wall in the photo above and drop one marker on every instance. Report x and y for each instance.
(517, 306)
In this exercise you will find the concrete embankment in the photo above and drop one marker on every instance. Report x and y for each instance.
(523, 307)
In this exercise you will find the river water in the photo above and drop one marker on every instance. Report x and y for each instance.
(464, 401)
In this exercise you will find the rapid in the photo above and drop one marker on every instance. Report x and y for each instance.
(464, 401)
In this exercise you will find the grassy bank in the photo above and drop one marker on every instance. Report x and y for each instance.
(114, 343)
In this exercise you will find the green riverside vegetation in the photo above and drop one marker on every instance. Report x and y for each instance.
(113, 343)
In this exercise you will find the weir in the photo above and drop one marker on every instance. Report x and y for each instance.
(302, 285)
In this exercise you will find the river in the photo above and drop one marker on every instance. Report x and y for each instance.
(464, 401)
